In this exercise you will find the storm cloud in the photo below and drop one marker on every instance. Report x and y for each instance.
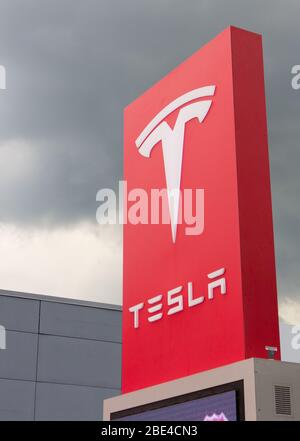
(72, 66)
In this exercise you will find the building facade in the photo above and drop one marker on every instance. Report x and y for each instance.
(62, 357)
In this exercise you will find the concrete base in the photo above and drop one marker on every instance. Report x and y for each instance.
(268, 390)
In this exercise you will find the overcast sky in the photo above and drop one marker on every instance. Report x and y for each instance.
(72, 66)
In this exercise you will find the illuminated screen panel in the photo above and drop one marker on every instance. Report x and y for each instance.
(223, 403)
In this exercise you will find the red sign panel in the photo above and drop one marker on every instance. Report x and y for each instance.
(198, 296)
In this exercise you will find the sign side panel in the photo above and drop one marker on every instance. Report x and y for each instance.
(255, 205)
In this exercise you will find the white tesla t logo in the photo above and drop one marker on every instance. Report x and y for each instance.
(172, 141)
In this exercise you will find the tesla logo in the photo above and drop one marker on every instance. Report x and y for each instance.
(175, 299)
(158, 130)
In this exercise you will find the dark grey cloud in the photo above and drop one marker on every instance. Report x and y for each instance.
(72, 65)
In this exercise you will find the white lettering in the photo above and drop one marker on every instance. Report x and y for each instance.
(176, 299)
(135, 309)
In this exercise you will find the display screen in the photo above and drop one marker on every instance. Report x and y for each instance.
(216, 407)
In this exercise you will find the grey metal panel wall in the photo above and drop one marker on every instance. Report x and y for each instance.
(16, 400)
(18, 361)
(19, 314)
(73, 403)
(69, 355)
(80, 321)
(77, 361)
